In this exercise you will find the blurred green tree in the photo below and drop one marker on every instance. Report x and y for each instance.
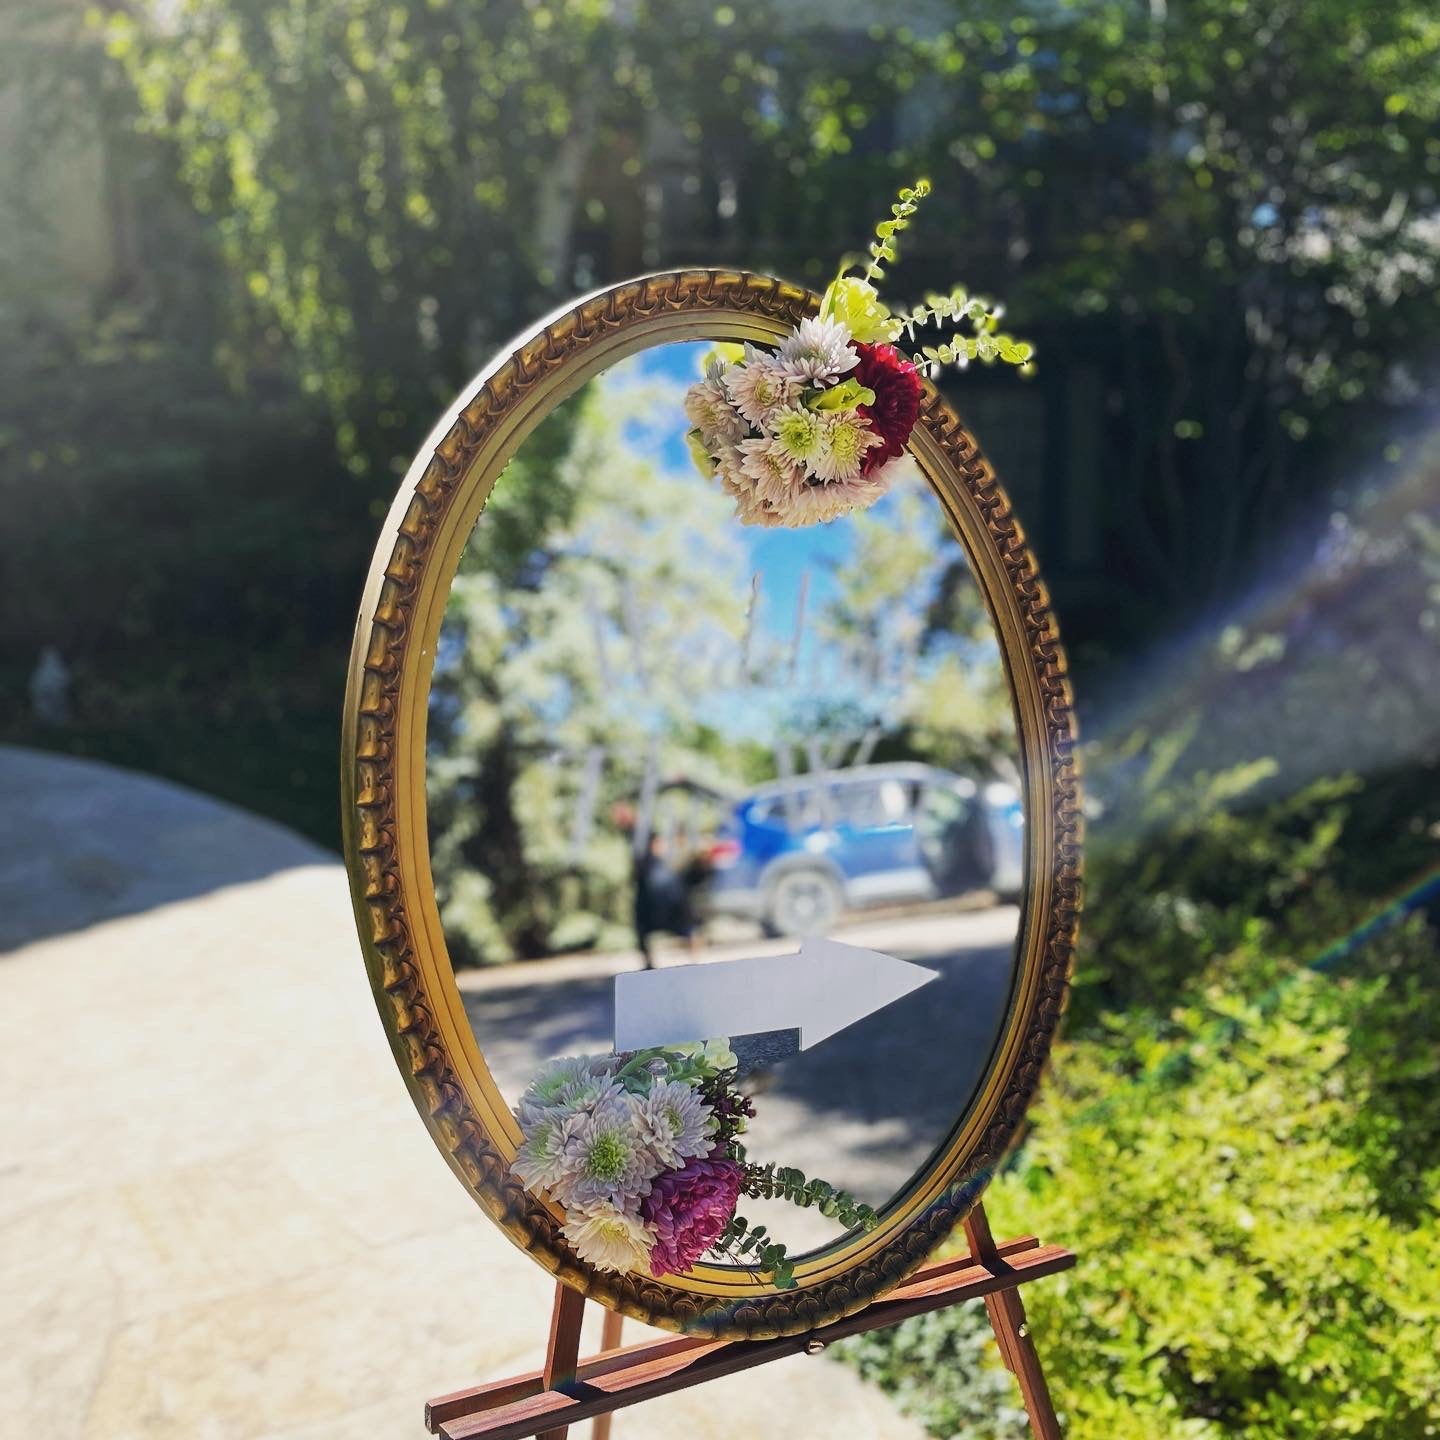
(908, 612)
(1237, 207)
(1220, 218)
(400, 187)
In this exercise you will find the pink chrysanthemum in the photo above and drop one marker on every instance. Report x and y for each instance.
(773, 476)
(759, 387)
(709, 408)
(689, 1210)
(817, 503)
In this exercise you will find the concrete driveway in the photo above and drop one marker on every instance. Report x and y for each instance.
(219, 1216)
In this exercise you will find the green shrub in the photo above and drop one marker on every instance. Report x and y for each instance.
(1187, 866)
(941, 1369)
(1251, 1184)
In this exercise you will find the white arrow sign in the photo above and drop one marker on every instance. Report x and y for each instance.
(824, 988)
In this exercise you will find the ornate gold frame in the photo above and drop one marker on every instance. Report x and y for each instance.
(386, 840)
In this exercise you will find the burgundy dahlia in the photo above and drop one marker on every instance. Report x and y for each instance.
(892, 417)
(689, 1209)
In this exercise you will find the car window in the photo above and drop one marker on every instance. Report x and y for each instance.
(940, 809)
(895, 801)
(816, 807)
(794, 810)
(861, 805)
(766, 811)
(858, 806)
(868, 806)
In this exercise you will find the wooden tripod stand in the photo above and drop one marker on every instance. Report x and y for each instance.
(547, 1402)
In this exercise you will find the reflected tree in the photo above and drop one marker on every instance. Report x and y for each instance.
(562, 696)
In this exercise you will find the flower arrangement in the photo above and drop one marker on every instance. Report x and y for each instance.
(813, 429)
(642, 1153)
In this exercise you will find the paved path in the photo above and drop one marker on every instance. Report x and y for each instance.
(85, 843)
(219, 1216)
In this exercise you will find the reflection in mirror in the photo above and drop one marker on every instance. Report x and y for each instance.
(658, 737)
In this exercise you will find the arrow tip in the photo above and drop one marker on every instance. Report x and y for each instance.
(859, 981)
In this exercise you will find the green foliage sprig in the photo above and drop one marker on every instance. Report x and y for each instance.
(740, 1240)
(987, 344)
(781, 1182)
(857, 302)
(883, 250)
(686, 1065)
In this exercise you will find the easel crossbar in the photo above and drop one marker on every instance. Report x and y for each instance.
(525, 1406)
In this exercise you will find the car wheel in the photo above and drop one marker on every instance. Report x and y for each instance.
(803, 902)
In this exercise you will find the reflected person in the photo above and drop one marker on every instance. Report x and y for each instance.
(663, 898)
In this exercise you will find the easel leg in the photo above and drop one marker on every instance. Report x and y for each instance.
(562, 1354)
(609, 1340)
(1007, 1318)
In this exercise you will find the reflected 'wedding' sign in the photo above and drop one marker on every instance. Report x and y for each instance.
(688, 814)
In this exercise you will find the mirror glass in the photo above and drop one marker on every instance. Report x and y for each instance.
(657, 735)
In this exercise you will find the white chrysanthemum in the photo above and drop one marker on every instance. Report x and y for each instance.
(540, 1161)
(709, 409)
(797, 434)
(606, 1158)
(847, 437)
(816, 352)
(610, 1239)
(676, 1123)
(568, 1074)
(587, 1094)
(774, 476)
(759, 386)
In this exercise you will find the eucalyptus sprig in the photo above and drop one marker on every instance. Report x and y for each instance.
(740, 1239)
(855, 301)
(883, 250)
(768, 1182)
(987, 344)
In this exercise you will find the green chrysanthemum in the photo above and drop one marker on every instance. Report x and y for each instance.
(798, 434)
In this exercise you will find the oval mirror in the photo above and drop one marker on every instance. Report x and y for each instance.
(716, 868)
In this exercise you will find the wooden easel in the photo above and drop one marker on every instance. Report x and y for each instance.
(547, 1402)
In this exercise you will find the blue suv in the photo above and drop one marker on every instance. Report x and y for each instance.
(797, 854)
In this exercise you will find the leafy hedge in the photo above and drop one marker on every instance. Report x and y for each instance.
(1251, 1183)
